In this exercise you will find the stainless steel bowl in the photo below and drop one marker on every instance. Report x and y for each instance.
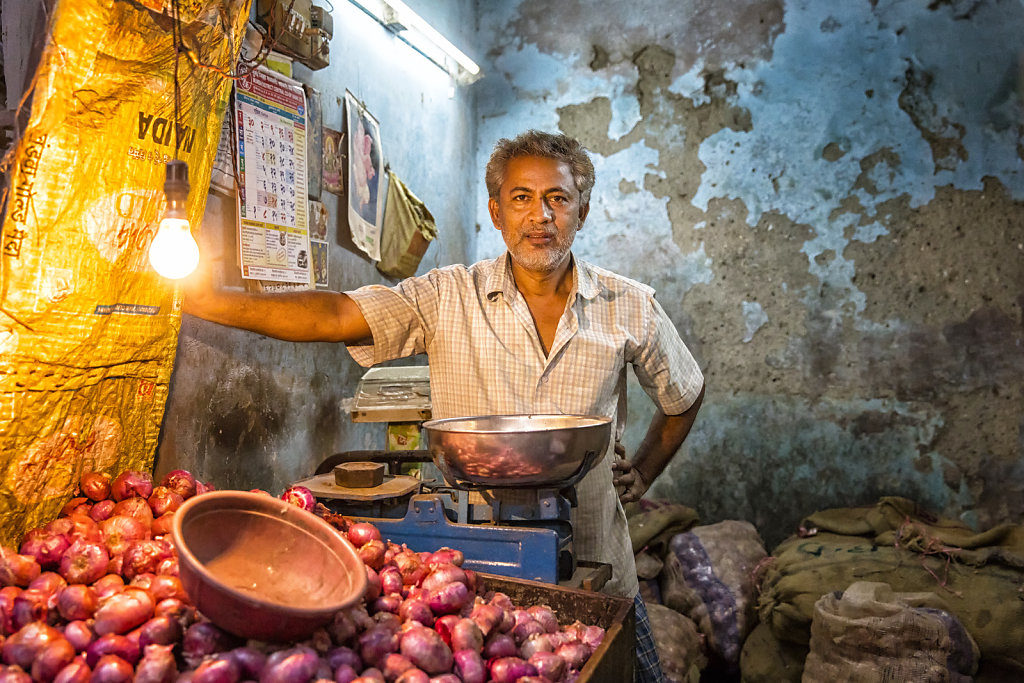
(505, 451)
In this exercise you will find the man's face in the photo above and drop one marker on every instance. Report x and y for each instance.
(538, 211)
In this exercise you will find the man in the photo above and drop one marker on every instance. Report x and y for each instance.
(534, 331)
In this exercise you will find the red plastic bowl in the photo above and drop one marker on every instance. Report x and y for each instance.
(262, 568)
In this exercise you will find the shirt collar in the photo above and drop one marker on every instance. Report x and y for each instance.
(500, 280)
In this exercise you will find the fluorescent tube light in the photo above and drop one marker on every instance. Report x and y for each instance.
(398, 18)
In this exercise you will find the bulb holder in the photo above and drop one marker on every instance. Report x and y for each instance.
(176, 189)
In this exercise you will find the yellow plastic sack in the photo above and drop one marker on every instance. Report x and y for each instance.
(88, 330)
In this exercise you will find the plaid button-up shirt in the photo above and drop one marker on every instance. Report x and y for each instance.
(486, 358)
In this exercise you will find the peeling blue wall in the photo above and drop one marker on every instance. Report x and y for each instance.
(828, 198)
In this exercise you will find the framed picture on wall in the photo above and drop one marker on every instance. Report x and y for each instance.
(365, 165)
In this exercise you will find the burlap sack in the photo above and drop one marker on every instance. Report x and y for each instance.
(680, 645)
(766, 659)
(986, 600)
(709, 577)
(871, 634)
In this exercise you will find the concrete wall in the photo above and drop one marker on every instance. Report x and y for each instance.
(246, 411)
(828, 198)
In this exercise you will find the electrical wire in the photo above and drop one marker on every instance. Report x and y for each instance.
(246, 67)
(176, 37)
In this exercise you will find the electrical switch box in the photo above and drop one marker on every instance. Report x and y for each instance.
(299, 29)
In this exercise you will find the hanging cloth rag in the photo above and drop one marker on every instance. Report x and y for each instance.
(407, 231)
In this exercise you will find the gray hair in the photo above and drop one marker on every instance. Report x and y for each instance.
(535, 143)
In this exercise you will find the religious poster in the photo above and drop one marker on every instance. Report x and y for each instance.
(273, 228)
(334, 154)
(365, 164)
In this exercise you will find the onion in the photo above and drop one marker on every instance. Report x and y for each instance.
(160, 630)
(95, 486)
(413, 676)
(7, 595)
(163, 524)
(361, 532)
(181, 482)
(591, 636)
(451, 678)
(123, 611)
(80, 504)
(412, 567)
(540, 642)
(443, 574)
(249, 660)
(499, 645)
(168, 566)
(23, 645)
(204, 487)
(415, 609)
(12, 674)
(77, 671)
(376, 642)
(53, 657)
(393, 664)
(373, 587)
(112, 644)
(344, 656)
(448, 598)
(48, 582)
(30, 605)
(102, 510)
(575, 654)
(17, 569)
(46, 547)
(205, 638)
(342, 628)
(120, 531)
(446, 555)
(163, 586)
(466, 635)
(548, 664)
(137, 508)
(469, 666)
(525, 627)
(502, 600)
(487, 616)
(178, 609)
(371, 675)
(130, 484)
(345, 674)
(510, 669)
(372, 554)
(387, 603)
(426, 649)
(107, 585)
(390, 579)
(300, 497)
(79, 634)
(220, 669)
(84, 527)
(157, 665)
(143, 557)
(296, 667)
(544, 615)
(77, 601)
(84, 561)
(164, 500)
(112, 669)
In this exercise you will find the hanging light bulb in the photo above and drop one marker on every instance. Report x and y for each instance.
(174, 252)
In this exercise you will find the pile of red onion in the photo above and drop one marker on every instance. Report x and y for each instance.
(94, 596)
